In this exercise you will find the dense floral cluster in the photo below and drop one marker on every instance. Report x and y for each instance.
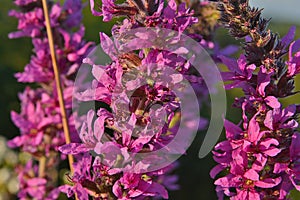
(70, 46)
(103, 176)
(260, 160)
(115, 140)
(118, 138)
(40, 120)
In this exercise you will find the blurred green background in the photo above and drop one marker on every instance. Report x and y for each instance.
(15, 54)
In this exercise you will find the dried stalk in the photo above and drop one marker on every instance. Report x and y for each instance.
(58, 82)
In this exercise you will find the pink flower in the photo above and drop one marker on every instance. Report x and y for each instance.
(90, 135)
(32, 186)
(245, 155)
(82, 179)
(24, 2)
(239, 71)
(291, 169)
(294, 58)
(39, 118)
(138, 186)
(278, 118)
(29, 23)
(245, 182)
(260, 145)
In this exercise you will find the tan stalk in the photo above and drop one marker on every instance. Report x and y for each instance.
(42, 166)
(58, 82)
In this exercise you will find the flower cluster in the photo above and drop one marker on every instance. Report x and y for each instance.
(92, 178)
(138, 112)
(70, 46)
(114, 140)
(134, 118)
(39, 123)
(40, 120)
(32, 185)
(260, 160)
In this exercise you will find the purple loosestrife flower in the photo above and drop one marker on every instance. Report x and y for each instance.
(32, 186)
(81, 178)
(40, 120)
(133, 9)
(89, 135)
(259, 143)
(24, 2)
(31, 18)
(114, 138)
(72, 13)
(29, 23)
(241, 75)
(278, 118)
(70, 46)
(115, 148)
(239, 72)
(92, 178)
(245, 155)
(120, 144)
(40, 67)
(262, 161)
(106, 81)
(39, 123)
(293, 172)
(246, 183)
(294, 58)
(289, 169)
(253, 149)
(139, 187)
(205, 21)
(69, 58)
(150, 14)
(75, 48)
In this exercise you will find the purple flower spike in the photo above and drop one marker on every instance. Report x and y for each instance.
(261, 161)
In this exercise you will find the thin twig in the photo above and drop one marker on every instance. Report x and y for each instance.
(58, 83)
(42, 166)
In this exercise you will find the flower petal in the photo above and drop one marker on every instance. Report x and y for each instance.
(73, 148)
(268, 182)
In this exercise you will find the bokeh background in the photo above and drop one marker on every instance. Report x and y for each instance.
(194, 172)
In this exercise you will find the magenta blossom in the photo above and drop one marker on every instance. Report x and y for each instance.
(239, 71)
(39, 122)
(24, 2)
(138, 186)
(245, 154)
(32, 186)
(294, 58)
(88, 178)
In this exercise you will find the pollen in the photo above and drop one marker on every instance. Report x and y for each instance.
(249, 182)
(33, 131)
